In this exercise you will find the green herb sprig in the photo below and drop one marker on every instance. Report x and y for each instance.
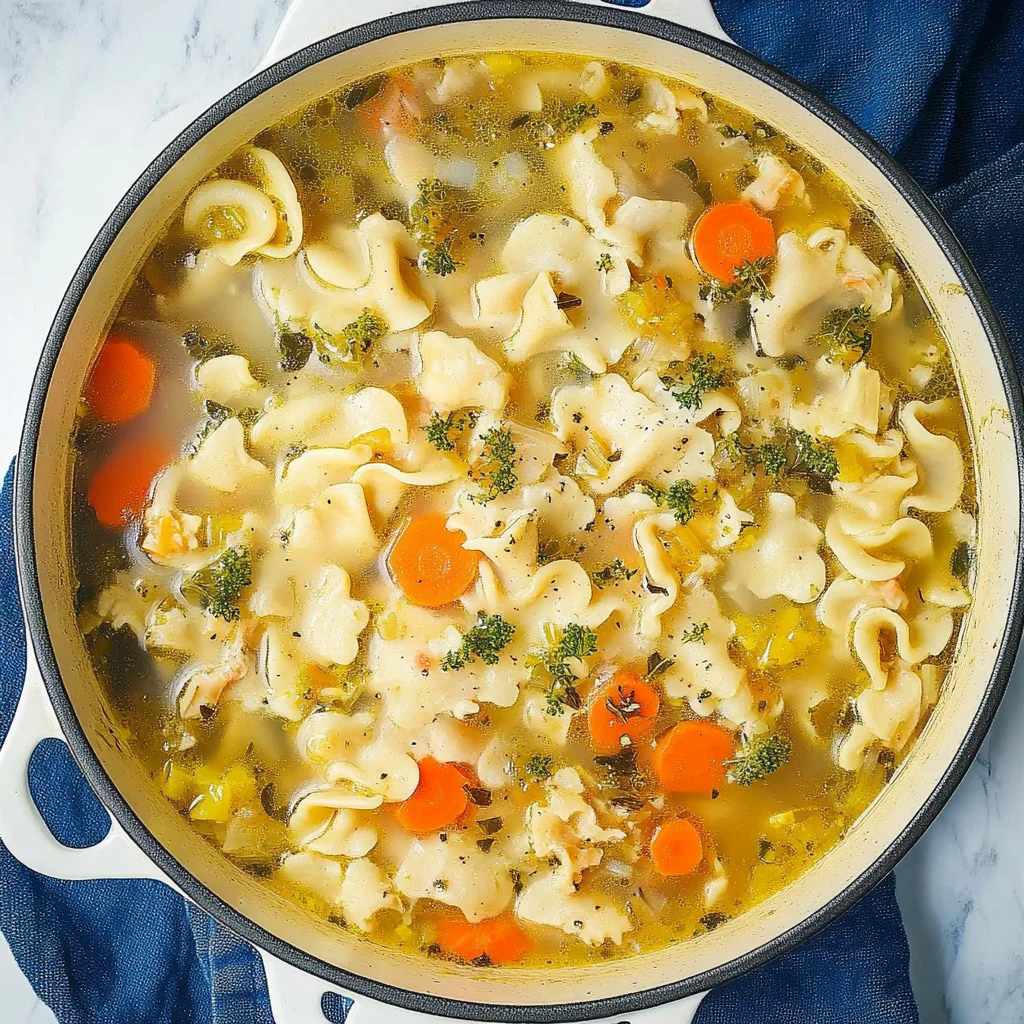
(680, 499)
(691, 380)
(354, 340)
(751, 282)
(759, 758)
(439, 429)
(696, 634)
(484, 642)
(494, 470)
(846, 332)
(217, 587)
(573, 641)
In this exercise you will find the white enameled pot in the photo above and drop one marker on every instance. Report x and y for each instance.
(305, 957)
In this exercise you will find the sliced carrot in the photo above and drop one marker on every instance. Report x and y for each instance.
(429, 562)
(729, 234)
(438, 800)
(625, 706)
(500, 939)
(385, 113)
(676, 848)
(691, 756)
(120, 385)
(119, 487)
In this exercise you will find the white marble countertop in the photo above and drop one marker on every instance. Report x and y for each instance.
(82, 83)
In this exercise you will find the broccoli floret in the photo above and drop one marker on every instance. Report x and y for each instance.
(772, 456)
(218, 586)
(495, 467)
(751, 280)
(846, 332)
(799, 454)
(539, 767)
(429, 211)
(817, 458)
(574, 641)
(698, 375)
(485, 640)
(759, 758)
(440, 428)
(355, 338)
(681, 499)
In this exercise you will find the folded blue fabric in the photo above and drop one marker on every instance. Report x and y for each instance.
(941, 85)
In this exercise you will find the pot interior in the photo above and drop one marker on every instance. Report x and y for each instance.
(895, 810)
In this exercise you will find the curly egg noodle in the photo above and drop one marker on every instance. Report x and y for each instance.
(524, 510)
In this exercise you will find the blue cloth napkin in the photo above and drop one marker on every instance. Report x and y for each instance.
(940, 84)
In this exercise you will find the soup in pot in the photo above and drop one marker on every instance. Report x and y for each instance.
(523, 509)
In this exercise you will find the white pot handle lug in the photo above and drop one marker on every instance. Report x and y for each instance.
(296, 998)
(306, 21)
(22, 828)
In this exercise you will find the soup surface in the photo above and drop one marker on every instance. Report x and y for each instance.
(523, 509)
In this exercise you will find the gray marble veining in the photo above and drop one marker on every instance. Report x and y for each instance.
(89, 91)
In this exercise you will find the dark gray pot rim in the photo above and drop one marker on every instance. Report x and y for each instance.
(614, 17)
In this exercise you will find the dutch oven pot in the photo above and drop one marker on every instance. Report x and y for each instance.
(304, 955)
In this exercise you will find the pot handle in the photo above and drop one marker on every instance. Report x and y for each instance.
(296, 998)
(307, 21)
(23, 829)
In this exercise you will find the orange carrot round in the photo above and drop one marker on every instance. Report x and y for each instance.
(676, 848)
(120, 385)
(625, 706)
(438, 800)
(728, 235)
(500, 939)
(119, 486)
(691, 756)
(429, 562)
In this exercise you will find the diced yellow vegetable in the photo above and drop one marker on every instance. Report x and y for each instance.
(657, 312)
(777, 639)
(213, 804)
(501, 64)
(240, 781)
(747, 633)
(220, 794)
(177, 782)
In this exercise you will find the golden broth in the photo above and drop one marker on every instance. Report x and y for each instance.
(494, 142)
